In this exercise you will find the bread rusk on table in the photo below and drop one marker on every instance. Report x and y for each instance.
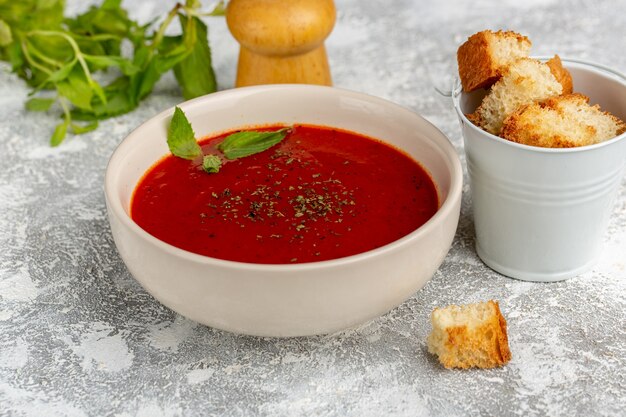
(524, 81)
(561, 122)
(482, 58)
(472, 335)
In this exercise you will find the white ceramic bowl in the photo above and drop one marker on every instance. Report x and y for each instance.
(297, 299)
(540, 214)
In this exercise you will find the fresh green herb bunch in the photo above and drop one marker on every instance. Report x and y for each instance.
(66, 55)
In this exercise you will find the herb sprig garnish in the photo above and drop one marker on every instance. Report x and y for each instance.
(211, 164)
(182, 142)
(66, 56)
(249, 142)
(180, 137)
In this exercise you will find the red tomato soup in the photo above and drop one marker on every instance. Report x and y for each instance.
(321, 193)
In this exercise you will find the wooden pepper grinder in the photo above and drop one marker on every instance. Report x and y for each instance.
(282, 41)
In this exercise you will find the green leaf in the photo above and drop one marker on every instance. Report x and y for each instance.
(39, 104)
(104, 61)
(108, 19)
(59, 133)
(26, 15)
(97, 89)
(5, 33)
(165, 62)
(141, 56)
(180, 137)
(249, 142)
(15, 55)
(80, 129)
(190, 30)
(76, 88)
(142, 83)
(54, 47)
(112, 21)
(111, 4)
(211, 164)
(195, 73)
(147, 80)
(118, 102)
(60, 74)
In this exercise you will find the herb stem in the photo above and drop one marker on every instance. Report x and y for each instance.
(96, 38)
(66, 110)
(77, 54)
(37, 53)
(161, 32)
(31, 61)
(218, 10)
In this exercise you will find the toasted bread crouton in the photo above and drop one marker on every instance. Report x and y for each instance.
(561, 122)
(485, 54)
(468, 336)
(524, 81)
(561, 74)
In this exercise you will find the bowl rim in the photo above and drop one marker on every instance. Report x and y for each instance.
(439, 140)
(601, 69)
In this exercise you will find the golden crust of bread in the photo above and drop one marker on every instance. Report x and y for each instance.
(474, 118)
(477, 61)
(522, 82)
(529, 102)
(470, 343)
(561, 74)
(561, 122)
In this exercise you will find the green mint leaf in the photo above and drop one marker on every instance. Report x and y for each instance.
(141, 56)
(80, 129)
(46, 48)
(33, 14)
(39, 104)
(211, 164)
(59, 133)
(97, 89)
(180, 137)
(172, 50)
(195, 73)
(104, 61)
(76, 89)
(143, 82)
(111, 4)
(249, 142)
(61, 74)
(15, 55)
(109, 18)
(5, 33)
(119, 101)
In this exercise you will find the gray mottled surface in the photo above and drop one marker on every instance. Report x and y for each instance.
(79, 337)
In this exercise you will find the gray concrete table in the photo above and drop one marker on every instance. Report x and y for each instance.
(79, 337)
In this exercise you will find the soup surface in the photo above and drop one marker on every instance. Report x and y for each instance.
(320, 194)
